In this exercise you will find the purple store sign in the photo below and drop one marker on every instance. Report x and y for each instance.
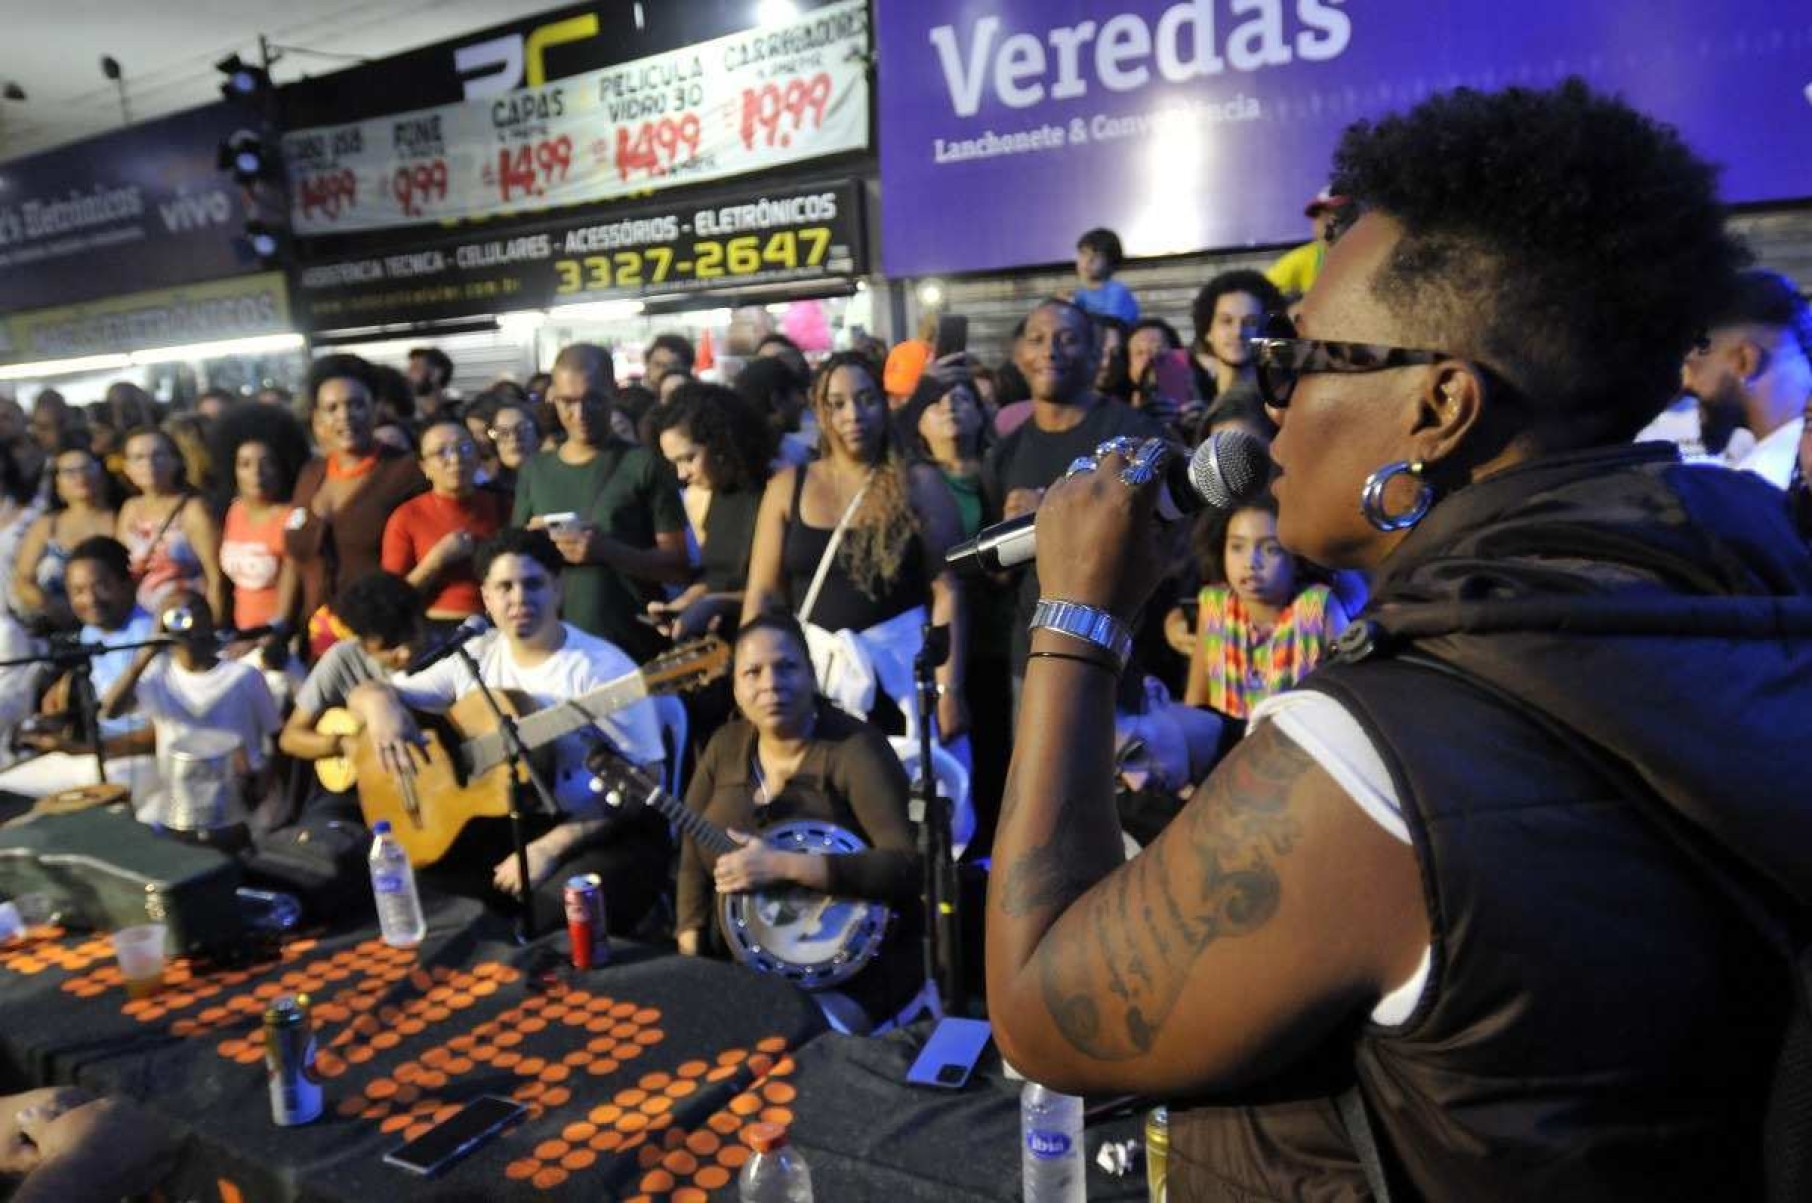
(1008, 127)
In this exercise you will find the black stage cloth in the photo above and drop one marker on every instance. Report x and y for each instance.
(640, 1077)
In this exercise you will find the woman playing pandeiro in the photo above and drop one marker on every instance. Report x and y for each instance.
(793, 756)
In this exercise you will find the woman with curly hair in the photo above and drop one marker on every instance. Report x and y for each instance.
(719, 448)
(1489, 904)
(1226, 314)
(343, 497)
(854, 544)
(266, 449)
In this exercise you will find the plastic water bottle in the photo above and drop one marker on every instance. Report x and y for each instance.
(777, 1173)
(399, 907)
(1050, 1146)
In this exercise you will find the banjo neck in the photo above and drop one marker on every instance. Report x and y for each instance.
(708, 835)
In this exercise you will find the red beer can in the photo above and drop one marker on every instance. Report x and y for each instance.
(585, 920)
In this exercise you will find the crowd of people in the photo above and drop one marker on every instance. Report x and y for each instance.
(803, 512)
(673, 507)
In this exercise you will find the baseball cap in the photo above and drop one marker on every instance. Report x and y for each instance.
(1325, 200)
(905, 364)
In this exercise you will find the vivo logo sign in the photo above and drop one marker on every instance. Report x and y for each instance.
(185, 211)
(1047, 1146)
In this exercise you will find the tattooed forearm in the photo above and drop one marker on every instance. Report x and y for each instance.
(1113, 967)
(1042, 877)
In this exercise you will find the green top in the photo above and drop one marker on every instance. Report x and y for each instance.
(626, 494)
(967, 492)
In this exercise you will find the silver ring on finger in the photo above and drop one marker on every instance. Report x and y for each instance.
(1122, 445)
(1081, 464)
(1143, 464)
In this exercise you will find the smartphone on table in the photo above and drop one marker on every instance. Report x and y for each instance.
(951, 1053)
(448, 1141)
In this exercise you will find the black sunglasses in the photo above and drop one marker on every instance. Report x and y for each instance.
(1279, 358)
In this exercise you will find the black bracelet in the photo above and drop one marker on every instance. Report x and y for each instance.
(1098, 663)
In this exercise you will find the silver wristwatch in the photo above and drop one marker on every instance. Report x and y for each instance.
(1086, 623)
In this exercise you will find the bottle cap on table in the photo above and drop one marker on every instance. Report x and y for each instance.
(765, 1138)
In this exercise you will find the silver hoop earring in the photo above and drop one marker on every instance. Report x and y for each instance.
(1371, 497)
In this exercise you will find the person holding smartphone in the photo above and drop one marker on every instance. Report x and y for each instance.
(1227, 313)
(719, 448)
(627, 532)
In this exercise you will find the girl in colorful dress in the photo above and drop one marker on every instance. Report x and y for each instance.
(1262, 624)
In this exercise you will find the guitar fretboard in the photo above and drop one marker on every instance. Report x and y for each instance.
(545, 726)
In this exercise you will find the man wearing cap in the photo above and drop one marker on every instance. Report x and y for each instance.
(1753, 371)
(1296, 269)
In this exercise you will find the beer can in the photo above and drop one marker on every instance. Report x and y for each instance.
(1157, 1154)
(289, 1059)
(584, 898)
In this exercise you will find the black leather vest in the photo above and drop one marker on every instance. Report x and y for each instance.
(1599, 1023)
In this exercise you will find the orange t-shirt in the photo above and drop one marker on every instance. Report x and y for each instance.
(251, 556)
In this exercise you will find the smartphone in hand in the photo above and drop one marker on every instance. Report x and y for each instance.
(1173, 377)
(952, 336)
(562, 524)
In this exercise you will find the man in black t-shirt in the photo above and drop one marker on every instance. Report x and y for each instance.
(1058, 353)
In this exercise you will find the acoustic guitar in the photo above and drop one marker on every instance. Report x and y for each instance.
(816, 941)
(466, 772)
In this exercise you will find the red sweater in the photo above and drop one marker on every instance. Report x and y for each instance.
(421, 522)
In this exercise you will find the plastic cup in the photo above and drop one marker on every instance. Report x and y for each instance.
(35, 909)
(140, 950)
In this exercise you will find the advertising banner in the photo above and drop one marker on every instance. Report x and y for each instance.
(1204, 124)
(170, 317)
(801, 234)
(139, 209)
(748, 102)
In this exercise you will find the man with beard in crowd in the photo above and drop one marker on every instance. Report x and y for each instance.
(430, 372)
(1753, 372)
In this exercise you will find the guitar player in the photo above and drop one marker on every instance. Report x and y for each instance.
(533, 652)
(384, 613)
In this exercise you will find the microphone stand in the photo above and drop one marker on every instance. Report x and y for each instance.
(941, 941)
(520, 766)
(77, 659)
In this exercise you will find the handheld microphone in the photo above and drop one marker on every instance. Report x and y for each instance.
(467, 631)
(1230, 468)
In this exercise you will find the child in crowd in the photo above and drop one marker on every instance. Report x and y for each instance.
(1098, 257)
(1262, 625)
